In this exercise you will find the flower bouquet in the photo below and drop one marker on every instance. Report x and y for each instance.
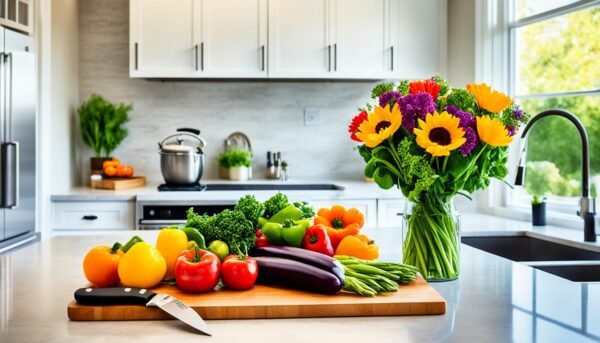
(434, 142)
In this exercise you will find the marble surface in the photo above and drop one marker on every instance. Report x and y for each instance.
(494, 300)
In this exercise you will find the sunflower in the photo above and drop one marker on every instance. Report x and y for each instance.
(440, 133)
(493, 132)
(381, 124)
(488, 99)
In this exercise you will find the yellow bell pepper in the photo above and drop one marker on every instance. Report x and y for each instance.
(142, 266)
(171, 242)
(359, 246)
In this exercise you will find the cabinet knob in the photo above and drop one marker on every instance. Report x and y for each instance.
(400, 214)
(89, 217)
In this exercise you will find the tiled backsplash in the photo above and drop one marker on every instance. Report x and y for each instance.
(271, 113)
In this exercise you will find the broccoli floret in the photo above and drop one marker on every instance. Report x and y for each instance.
(403, 87)
(234, 229)
(307, 210)
(462, 99)
(251, 208)
(203, 223)
(380, 89)
(275, 204)
(444, 87)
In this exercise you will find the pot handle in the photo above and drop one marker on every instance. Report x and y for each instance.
(198, 138)
(190, 130)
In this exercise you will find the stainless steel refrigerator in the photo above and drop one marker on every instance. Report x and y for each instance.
(17, 139)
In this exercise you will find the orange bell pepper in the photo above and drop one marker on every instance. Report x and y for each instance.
(359, 246)
(340, 222)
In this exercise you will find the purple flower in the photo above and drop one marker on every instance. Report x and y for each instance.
(467, 122)
(511, 130)
(415, 106)
(470, 143)
(387, 97)
(518, 113)
(466, 118)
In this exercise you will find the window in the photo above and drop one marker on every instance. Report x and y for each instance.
(555, 49)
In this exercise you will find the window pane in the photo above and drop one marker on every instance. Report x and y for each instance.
(526, 8)
(554, 146)
(560, 54)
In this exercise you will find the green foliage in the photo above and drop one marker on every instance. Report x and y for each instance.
(543, 178)
(101, 124)
(229, 226)
(275, 204)
(444, 87)
(462, 99)
(307, 210)
(380, 89)
(234, 158)
(251, 208)
(403, 87)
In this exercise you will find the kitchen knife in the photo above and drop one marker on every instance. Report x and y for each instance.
(141, 296)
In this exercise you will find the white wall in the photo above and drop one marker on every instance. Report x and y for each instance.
(461, 42)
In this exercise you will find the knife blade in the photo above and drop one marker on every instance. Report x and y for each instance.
(142, 296)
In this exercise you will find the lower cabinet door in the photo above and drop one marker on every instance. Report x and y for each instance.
(114, 215)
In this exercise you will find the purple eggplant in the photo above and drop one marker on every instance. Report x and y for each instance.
(312, 258)
(298, 275)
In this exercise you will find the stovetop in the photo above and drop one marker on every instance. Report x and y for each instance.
(181, 188)
(250, 187)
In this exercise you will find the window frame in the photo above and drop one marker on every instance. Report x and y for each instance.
(495, 36)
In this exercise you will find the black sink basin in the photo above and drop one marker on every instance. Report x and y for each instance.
(577, 273)
(272, 187)
(524, 248)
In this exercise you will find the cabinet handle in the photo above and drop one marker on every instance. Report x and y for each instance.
(202, 56)
(262, 51)
(335, 57)
(89, 217)
(329, 57)
(392, 58)
(196, 55)
(136, 55)
(400, 214)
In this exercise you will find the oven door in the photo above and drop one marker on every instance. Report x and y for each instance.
(159, 224)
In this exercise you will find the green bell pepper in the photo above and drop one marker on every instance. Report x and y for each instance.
(293, 231)
(262, 221)
(290, 212)
(194, 235)
(273, 233)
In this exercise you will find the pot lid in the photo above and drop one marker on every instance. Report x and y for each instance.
(178, 148)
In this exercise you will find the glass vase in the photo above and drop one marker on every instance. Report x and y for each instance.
(431, 236)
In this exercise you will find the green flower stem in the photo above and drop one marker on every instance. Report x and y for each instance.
(431, 242)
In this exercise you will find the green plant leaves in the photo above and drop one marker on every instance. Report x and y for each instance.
(101, 123)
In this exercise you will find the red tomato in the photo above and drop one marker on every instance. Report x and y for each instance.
(197, 270)
(239, 274)
(261, 240)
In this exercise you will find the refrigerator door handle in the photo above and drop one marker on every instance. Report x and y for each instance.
(3, 57)
(10, 154)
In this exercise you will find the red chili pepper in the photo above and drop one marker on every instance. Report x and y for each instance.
(316, 239)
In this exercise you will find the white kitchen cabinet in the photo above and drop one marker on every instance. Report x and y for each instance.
(93, 215)
(235, 44)
(162, 38)
(17, 14)
(390, 213)
(418, 38)
(360, 30)
(367, 207)
(299, 39)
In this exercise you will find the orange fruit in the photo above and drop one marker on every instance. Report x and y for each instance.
(124, 171)
(114, 163)
(110, 171)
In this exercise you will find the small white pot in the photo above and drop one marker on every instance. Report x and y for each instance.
(239, 173)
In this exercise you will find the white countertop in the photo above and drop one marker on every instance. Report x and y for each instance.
(353, 189)
(494, 300)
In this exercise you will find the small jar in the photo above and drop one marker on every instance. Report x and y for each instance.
(95, 180)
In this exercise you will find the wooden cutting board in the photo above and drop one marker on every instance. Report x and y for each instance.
(417, 298)
(121, 183)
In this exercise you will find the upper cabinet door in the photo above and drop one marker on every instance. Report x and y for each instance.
(360, 44)
(299, 42)
(417, 39)
(234, 38)
(161, 38)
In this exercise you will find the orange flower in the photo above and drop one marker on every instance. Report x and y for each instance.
(488, 99)
(491, 131)
(428, 86)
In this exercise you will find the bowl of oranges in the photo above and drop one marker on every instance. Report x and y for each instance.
(114, 169)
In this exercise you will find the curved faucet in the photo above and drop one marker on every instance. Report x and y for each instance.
(587, 205)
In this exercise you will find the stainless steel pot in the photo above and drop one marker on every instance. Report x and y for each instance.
(182, 164)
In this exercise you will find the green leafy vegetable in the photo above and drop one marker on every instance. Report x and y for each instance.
(307, 210)
(251, 208)
(235, 158)
(275, 204)
(229, 226)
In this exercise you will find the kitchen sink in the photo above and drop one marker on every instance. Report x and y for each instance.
(273, 187)
(524, 248)
(577, 273)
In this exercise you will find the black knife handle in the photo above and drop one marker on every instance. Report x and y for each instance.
(113, 296)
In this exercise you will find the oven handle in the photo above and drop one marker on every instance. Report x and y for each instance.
(159, 223)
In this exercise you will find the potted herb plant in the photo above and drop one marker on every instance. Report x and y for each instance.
(540, 177)
(101, 123)
(236, 163)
